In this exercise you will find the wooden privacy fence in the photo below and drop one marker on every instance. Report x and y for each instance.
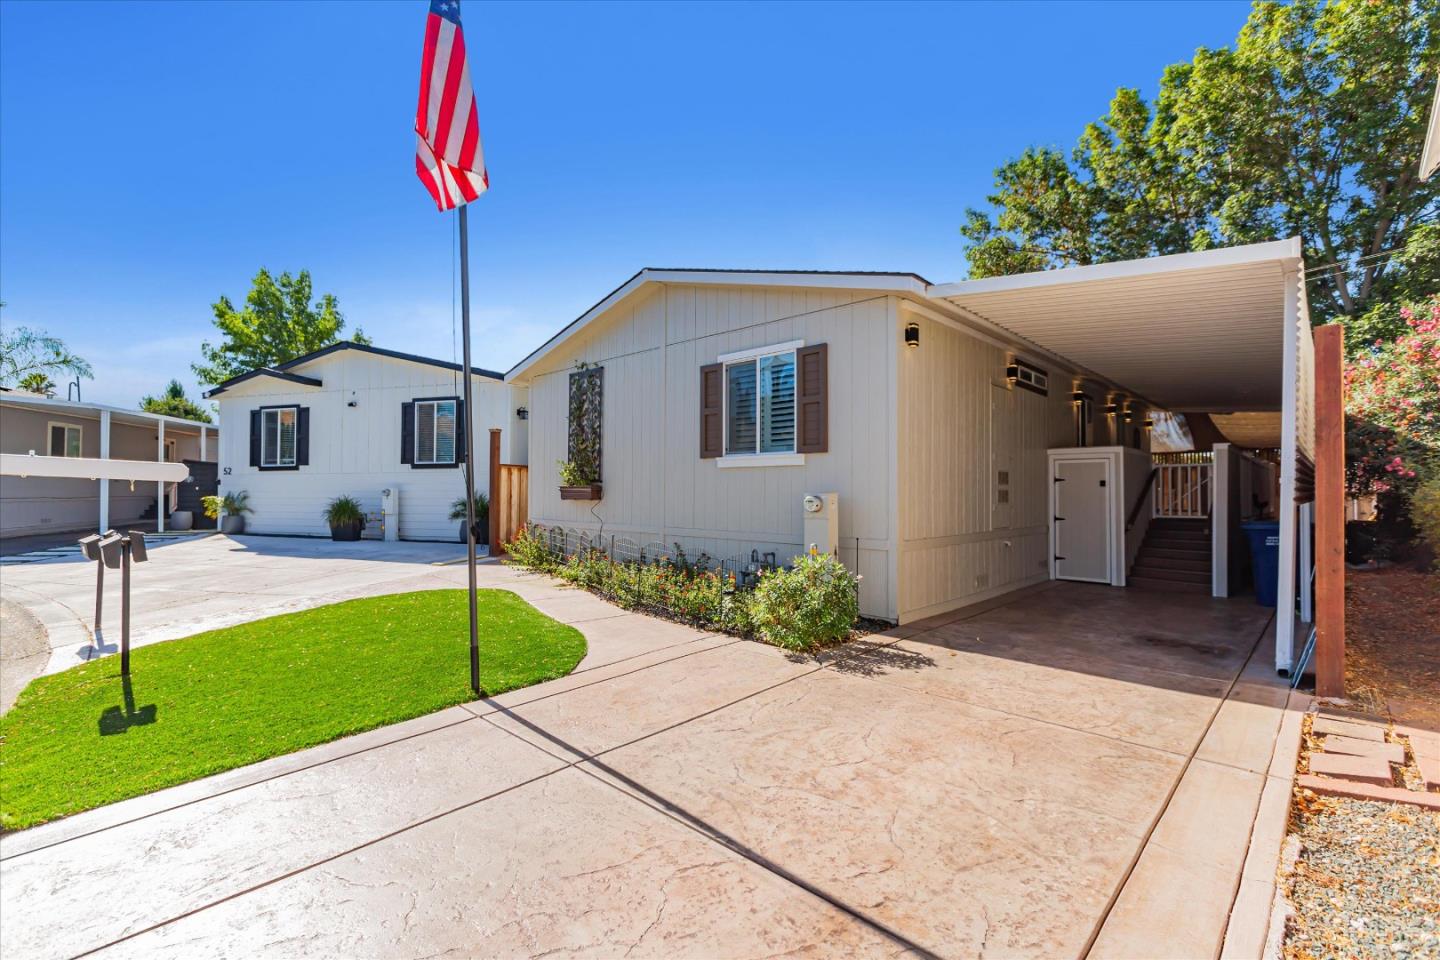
(509, 497)
(1182, 490)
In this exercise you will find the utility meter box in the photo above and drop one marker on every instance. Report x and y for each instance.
(822, 523)
(390, 512)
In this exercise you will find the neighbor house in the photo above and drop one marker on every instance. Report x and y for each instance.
(358, 420)
(48, 427)
(978, 437)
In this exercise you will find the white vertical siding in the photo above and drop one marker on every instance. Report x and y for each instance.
(656, 487)
(356, 450)
(959, 425)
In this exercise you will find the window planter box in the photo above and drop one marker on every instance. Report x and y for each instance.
(589, 491)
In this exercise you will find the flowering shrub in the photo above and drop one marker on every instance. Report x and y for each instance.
(814, 602)
(1392, 407)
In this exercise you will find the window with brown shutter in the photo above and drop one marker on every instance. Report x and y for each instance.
(813, 400)
(712, 410)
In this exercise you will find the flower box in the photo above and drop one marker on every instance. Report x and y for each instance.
(588, 491)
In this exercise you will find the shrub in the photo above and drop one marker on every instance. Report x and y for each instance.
(1425, 512)
(232, 504)
(482, 507)
(530, 549)
(817, 602)
(814, 602)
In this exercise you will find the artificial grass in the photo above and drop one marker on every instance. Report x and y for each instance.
(225, 698)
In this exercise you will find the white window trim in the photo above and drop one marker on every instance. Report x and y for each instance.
(732, 460)
(415, 454)
(757, 459)
(754, 352)
(52, 424)
(279, 463)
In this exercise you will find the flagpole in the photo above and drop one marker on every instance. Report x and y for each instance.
(469, 441)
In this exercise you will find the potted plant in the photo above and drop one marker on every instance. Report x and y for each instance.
(233, 505)
(577, 482)
(482, 517)
(346, 518)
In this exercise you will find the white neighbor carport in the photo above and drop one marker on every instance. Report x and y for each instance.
(1220, 331)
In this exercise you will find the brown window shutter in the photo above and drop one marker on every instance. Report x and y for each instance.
(813, 399)
(712, 410)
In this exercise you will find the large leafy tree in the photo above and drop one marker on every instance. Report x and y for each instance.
(174, 403)
(280, 321)
(1310, 125)
(25, 352)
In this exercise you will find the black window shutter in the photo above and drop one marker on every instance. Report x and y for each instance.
(712, 410)
(302, 436)
(407, 433)
(462, 424)
(812, 399)
(254, 438)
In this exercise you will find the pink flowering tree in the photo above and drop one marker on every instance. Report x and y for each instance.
(1392, 409)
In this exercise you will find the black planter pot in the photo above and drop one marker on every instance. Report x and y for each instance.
(346, 531)
(480, 541)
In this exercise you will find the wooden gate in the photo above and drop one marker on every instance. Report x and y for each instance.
(509, 497)
(510, 502)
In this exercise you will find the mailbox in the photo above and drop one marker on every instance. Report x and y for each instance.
(137, 546)
(112, 548)
(90, 546)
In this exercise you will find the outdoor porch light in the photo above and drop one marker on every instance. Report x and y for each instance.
(523, 413)
(1111, 409)
(1149, 423)
(1077, 397)
(912, 335)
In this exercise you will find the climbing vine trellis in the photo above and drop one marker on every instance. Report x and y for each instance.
(587, 390)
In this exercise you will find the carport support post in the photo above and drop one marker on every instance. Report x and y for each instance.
(104, 489)
(160, 484)
(1329, 514)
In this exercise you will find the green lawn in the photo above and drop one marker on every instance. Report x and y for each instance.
(225, 698)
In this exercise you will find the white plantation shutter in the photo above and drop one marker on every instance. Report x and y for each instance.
(740, 427)
(777, 403)
(445, 432)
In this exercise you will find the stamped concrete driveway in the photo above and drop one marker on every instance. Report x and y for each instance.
(1074, 771)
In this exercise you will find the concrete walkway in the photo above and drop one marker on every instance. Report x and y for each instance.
(1074, 771)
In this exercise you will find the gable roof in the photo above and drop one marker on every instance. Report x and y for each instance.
(281, 371)
(896, 282)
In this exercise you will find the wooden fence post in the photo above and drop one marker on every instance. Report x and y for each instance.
(496, 494)
(1329, 513)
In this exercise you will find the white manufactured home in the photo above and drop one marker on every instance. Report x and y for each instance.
(978, 437)
(385, 427)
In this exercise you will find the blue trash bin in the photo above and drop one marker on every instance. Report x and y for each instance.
(1264, 536)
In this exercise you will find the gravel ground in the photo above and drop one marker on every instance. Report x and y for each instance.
(1367, 883)
(24, 651)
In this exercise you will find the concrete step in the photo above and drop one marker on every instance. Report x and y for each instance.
(1169, 573)
(1171, 586)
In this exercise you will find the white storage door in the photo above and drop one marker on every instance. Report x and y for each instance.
(1082, 520)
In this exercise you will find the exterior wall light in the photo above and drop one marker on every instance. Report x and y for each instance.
(1111, 409)
(1078, 397)
(1149, 423)
(912, 334)
(523, 413)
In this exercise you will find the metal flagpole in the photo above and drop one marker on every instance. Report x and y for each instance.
(469, 441)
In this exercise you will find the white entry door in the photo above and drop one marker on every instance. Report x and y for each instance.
(1082, 524)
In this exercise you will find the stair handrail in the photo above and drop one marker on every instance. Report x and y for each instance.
(1140, 500)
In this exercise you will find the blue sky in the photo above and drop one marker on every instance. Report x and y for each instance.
(164, 152)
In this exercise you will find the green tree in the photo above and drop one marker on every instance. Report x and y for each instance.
(1310, 125)
(24, 352)
(280, 322)
(174, 403)
(38, 382)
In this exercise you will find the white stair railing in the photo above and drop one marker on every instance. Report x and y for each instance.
(1182, 490)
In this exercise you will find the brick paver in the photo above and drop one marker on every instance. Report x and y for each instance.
(1366, 769)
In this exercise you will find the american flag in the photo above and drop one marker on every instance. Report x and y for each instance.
(448, 158)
